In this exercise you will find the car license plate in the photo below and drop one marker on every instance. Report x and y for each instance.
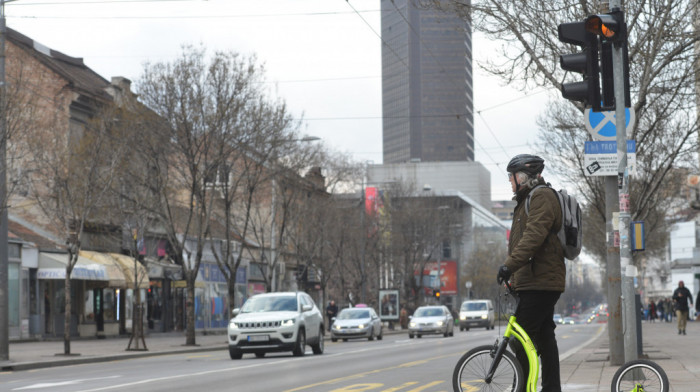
(258, 338)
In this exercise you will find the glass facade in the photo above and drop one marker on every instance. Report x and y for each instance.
(426, 84)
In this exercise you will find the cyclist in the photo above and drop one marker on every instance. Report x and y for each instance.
(536, 263)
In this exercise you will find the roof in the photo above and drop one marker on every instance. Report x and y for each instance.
(25, 234)
(79, 76)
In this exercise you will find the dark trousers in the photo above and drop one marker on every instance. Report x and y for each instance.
(535, 315)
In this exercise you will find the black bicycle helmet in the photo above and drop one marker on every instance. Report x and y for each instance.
(530, 164)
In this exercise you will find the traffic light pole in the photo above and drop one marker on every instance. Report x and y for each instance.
(627, 268)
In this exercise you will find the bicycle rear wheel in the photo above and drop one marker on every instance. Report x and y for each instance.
(640, 375)
(471, 369)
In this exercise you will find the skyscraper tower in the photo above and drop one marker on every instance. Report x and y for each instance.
(426, 84)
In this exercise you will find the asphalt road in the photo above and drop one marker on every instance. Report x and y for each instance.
(395, 363)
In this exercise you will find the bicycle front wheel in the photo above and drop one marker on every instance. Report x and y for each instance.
(640, 375)
(472, 368)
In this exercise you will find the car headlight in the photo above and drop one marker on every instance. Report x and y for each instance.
(288, 323)
(484, 316)
(336, 326)
(412, 324)
(232, 325)
(439, 323)
(361, 326)
(462, 317)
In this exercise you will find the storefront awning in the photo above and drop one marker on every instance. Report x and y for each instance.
(114, 271)
(162, 269)
(127, 265)
(53, 266)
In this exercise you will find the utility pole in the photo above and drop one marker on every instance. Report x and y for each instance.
(4, 263)
(628, 271)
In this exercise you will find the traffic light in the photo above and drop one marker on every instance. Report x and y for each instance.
(436, 293)
(585, 63)
(612, 30)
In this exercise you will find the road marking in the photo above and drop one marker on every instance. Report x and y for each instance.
(406, 384)
(363, 374)
(43, 385)
(426, 386)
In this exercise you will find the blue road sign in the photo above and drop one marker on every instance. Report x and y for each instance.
(601, 125)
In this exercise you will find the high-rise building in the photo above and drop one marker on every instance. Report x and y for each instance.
(426, 84)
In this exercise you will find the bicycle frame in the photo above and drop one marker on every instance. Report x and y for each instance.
(515, 330)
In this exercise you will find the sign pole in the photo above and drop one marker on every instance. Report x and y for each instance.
(627, 268)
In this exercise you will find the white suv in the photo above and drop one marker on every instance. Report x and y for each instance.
(276, 322)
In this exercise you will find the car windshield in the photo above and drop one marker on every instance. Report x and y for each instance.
(270, 304)
(428, 312)
(472, 306)
(350, 314)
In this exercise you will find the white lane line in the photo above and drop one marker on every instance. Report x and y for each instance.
(61, 383)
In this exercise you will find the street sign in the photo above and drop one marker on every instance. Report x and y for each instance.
(600, 158)
(468, 284)
(601, 125)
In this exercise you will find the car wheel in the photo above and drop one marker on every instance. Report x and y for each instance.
(334, 340)
(446, 334)
(381, 334)
(318, 347)
(371, 335)
(466, 328)
(260, 355)
(461, 329)
(418, 336)
(300, 346)
(410, 336)
(235, 353)
(345, 340)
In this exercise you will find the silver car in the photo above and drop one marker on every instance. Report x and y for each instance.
(357, 323)
(276, 322)
(428, 320)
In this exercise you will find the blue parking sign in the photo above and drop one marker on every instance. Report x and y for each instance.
(601, 125)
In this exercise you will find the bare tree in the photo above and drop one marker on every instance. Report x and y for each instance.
(193, 97)
(70, 183)
(661, 79)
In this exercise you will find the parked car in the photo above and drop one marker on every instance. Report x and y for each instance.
(557, 318)
(476, 313)
(274, 322)
(431, 320)
(354, 323)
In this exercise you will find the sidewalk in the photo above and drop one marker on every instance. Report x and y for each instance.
(586, 369)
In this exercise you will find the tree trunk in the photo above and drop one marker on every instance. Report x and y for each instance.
(189, 304)
(231, 297)
(66, 320)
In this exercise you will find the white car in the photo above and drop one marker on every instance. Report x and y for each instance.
(357, 323)
(275, 322)
(431, 320)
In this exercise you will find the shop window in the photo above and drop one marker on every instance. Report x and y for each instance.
(110, 305)
(89, 306)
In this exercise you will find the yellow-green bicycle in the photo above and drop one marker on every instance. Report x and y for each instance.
(493, 368)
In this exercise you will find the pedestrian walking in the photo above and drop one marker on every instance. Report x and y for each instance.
(652, 311)
(668, 309)
(403, 318)
(681, 296)
(536, 262)
(660, 310)
(331, 313)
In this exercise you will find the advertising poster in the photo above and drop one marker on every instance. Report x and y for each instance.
(389, 304)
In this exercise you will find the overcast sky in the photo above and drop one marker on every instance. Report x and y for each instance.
(322, 57)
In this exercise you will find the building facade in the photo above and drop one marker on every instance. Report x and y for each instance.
(427, 85)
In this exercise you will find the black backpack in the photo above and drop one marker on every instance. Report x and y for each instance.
(571, 232)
